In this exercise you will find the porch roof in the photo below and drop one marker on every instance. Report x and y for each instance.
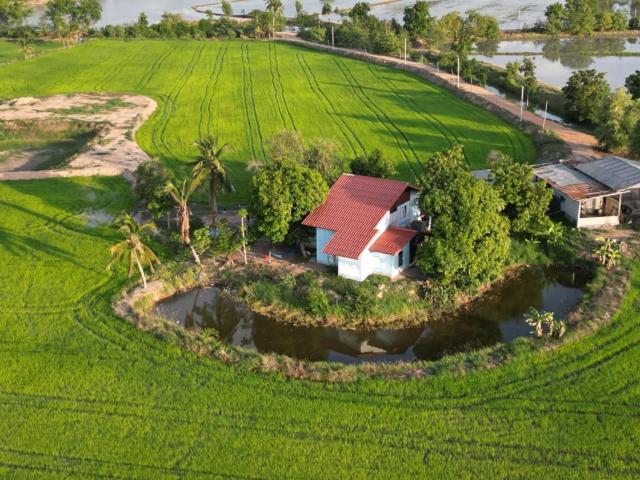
(393, 240)
(614, 172)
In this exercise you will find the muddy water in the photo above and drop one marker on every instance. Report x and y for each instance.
(496, 317)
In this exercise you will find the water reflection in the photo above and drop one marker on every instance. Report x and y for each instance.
(556, 59)
(496, 317)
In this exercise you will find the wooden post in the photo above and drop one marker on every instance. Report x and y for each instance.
(521, 103)
(544, 121)
(458, 79)
(333, 38)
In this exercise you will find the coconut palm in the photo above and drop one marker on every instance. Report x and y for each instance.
(181, 193)
(275, 7)
(210, 166)
(133, 248)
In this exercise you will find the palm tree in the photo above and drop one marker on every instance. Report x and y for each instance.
(210, 166)
(133, 247)
(538, 319)
(180, 194)
(275, 7)
(609, 252)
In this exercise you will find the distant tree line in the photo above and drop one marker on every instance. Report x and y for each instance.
(582, 17)
(362, 30)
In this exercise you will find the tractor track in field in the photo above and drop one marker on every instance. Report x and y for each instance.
(444, 130)
(169, 106)
(210, 92)
(329, 106)
(155, 67)
(275, 88)
(76, 74)
(249, 104)
(282, 91)
(115, 72)
(382, 117)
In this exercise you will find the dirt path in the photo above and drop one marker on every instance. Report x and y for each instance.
(114, 151)
(581, 145)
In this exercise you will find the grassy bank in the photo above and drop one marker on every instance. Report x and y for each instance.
(247, 91)
(86, 395)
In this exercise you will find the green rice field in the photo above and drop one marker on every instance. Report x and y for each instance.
(11, 51)
(85, 395)
(245, 92)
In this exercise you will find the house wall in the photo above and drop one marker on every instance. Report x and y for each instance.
(389, 264)
(593, 222)
(570, 207)
(405, 213)
(322, 238)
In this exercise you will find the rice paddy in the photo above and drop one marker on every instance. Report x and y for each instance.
(85, 395)
(245, 92)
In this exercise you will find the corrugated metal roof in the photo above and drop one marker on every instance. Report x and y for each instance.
(573, 183)
(614, 172)
(354, 206)
(393, 240)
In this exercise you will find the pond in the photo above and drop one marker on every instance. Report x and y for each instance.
(557, 59)
(496, 317)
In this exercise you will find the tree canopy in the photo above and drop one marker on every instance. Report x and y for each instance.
(632, 83)
(417, 19)
(283, 193)
(470, 237)
(376, 164)
(584, 94)
(71, 18)
(526, 201)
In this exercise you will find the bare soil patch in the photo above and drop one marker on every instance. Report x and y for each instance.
(114, 150)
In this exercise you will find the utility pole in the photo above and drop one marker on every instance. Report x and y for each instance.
(458, 79)
(405, 50)
(333, 38)
(544, 121)
(522, 103)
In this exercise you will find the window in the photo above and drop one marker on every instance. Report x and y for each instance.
(401, 259)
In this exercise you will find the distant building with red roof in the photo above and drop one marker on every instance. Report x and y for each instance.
(363, 226)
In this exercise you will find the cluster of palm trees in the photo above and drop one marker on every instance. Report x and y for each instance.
(208, 167)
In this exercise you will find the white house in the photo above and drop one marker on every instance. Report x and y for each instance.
(593, 193)
(363, 226)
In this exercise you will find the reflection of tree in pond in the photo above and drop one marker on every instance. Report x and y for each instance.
(578, 53)
(488, 47)
(298, 342)
(210, 312)
(447, 337)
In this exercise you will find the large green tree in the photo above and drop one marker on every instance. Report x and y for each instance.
(13, 14)
(555, 18)
(526, 201)
(617, 120)
(283, 193)
(584, 93)
(375, 164)
(417, 20)
(632, 83)
(580, 17)
(470, 236)
(71, 18)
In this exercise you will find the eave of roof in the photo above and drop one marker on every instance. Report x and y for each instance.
(393, 240)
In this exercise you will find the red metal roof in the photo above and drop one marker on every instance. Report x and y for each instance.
(393, 240)
(354, 206)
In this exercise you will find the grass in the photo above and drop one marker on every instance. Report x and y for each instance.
(53, 141)
(247, 91)
(85, 395)
(11, 50)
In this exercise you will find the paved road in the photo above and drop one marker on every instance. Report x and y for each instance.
(581, 144)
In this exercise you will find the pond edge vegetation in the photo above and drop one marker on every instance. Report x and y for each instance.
(602, 299)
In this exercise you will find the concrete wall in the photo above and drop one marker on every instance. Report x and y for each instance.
(594, 222)
(570, 207)
(322, 238)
